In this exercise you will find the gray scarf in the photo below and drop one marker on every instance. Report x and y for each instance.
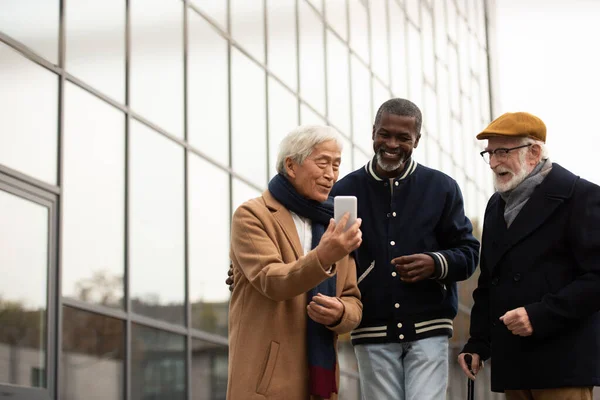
(517, 198)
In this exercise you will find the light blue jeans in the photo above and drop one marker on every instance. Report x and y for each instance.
(404, 371)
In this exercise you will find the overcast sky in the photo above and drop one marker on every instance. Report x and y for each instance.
(549, 65)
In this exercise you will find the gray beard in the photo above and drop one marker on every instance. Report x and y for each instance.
(385, 166)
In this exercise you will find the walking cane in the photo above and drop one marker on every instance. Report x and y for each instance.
(470, 383)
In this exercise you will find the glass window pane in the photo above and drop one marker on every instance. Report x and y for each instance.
(381, 94)
(283, 117)
(338, 83)
(443, 96)
(208, 98)
(359, 29)
(209, 371)
(433, 154)
(208, 245)
(463, 55)
(247, 26)
(452, 19)
(361, 105)
(441, 35)
(360, 158)
(93, 356)
(157, 62)
(415, 81)
(337, 16)
(379, 39)
(156, 228)
(412, 10)
(282, 41)
(28, 144)
(33, 23)
(96, 44)
(309, 117)
(398, 50)
(457, 141)
(346, 164)
(248, 127)
(94, 199)
(428, 50)
(158, 366)
(430, 112)
(312, 58)
(216, 10)
(23, 291)
(454, 81)
(241, 193)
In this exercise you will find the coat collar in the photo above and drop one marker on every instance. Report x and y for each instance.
(284, 218)
(549, 195)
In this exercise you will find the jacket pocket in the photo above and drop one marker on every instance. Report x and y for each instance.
(265, 380)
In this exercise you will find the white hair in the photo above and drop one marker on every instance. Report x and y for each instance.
(300, 143)
(528, 140)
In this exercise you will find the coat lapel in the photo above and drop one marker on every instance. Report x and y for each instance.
(552, 192)
(285, 221)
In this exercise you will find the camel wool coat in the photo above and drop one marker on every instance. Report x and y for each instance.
(267, 311)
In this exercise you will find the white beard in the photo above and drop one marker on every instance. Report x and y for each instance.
(515, 180)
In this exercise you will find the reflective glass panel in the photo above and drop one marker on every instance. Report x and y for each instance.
(96, 44)
(23, 291)
(359, 28)
(337, 16)
(208, 242)
(242, 192)
(216, 10)
(312, 58)
(94, 199)
(428, 50)
(248, 126)
(415, 78)
(361, 105)
(209, 369)
(398, 58)
(158, 366)
(281, 18)
(33, 23)
(208, 98)
(156, 228)
(92, 359)
(379, 39)
(338, 84)
(247, 26)
(156, 69)
(28, 116)
(283, 117)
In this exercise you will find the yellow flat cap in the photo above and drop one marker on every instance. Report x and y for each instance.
(515, 124)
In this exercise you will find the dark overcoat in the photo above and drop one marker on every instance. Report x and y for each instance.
(547, 261)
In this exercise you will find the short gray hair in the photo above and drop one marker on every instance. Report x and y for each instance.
(299, 143)
(528, 140)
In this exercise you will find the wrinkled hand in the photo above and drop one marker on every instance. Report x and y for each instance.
(476, 364)
(415, 267)
(229, 281)
(325, 310)
(517, 321)
(337, 243)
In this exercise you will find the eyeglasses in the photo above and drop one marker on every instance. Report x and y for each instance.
(501, 154)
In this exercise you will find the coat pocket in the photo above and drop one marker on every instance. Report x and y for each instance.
(265, 380)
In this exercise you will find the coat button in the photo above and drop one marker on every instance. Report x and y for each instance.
(401, 337)
(388, 215)
(517, 277)
(495, 281)
(396, 183)
(394, 274)
(397, 305)
(399, 324)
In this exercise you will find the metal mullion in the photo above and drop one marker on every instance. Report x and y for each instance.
(28, 53)
(350, 86)
(266, 52)
(56, 289)
(127, 387)
(149, 322)
(78, 82)
(325, 64)
(209, 337)
(186, 227)
(298, 91)
(17, 175)
(210, 20)
(229, 112)
(95, 308)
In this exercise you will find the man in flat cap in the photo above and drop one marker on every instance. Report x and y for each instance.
(537, 303)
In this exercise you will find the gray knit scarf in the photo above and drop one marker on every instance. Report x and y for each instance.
(517, 198)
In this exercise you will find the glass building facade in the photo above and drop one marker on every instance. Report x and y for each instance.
(131, 129)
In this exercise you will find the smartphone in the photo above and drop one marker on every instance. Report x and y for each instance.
(343, 205)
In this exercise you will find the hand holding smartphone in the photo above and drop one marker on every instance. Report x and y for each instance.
(342, 205)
